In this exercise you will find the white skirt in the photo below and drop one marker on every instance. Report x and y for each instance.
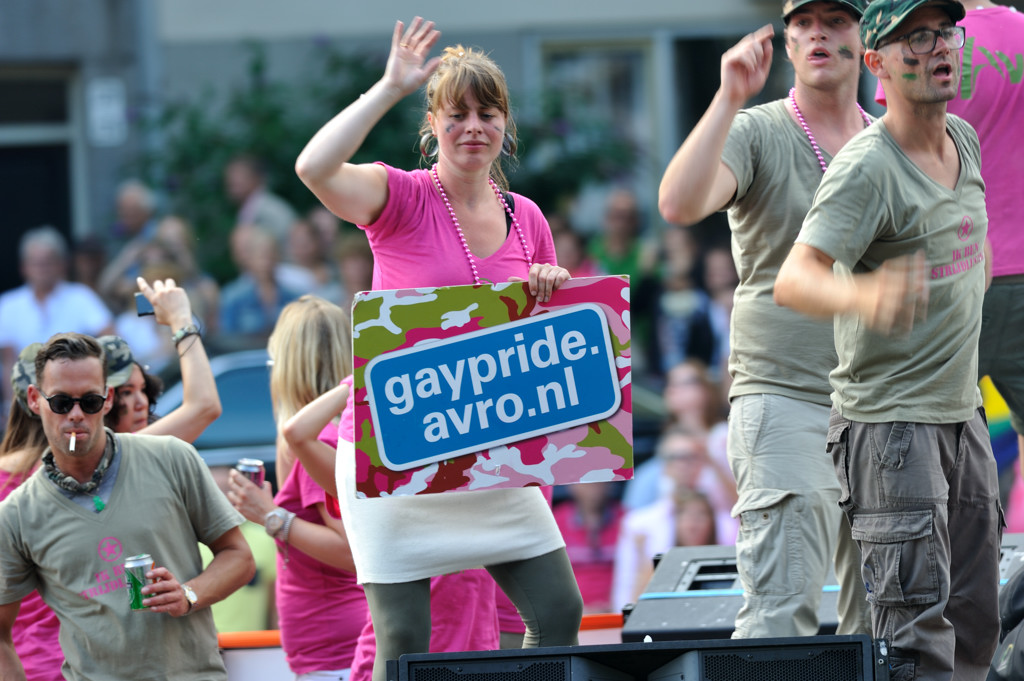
(406, 538)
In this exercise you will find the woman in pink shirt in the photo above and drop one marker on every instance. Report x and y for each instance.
(320, 607)
(452, 224)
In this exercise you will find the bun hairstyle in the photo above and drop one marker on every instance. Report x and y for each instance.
(462, 70)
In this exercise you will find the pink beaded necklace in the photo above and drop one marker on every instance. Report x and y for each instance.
(458, 228)
(807, 129)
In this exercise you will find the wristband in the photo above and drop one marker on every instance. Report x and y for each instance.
(183, 333)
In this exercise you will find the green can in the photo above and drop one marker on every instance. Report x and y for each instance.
(135, 569)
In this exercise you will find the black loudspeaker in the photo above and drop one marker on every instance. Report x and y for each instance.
(1011, 558)
(695, 593)
(816, 658)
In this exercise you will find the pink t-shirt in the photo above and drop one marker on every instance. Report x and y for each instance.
(36, 629)
(992, 100)
(321, 609)
(415, 244)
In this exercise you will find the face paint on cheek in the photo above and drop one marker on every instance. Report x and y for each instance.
(449, 128)
(845, 52)
(910, 61)
(909, 76)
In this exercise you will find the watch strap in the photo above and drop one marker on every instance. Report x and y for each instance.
(273, 521)
(190, 597)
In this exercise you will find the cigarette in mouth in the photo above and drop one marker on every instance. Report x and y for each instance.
(71, 447)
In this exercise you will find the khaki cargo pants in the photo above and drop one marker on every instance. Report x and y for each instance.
(791, 527)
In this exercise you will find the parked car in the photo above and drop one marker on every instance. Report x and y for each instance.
(246, 427)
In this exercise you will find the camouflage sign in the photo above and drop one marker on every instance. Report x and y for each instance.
(464, 388)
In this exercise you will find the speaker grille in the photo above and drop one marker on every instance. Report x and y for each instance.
(819, 665)
(556, 670)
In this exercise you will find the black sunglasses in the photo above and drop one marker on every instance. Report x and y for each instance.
(62, 404)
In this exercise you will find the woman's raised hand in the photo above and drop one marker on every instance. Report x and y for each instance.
(170, 302)
(407, 67)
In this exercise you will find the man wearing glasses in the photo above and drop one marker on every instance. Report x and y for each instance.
(991, 99)
(763, 164)
(893, 247)
(98, 498)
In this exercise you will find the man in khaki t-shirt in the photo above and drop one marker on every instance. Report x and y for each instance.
(764, 164)
(98, 498)
(894, 248)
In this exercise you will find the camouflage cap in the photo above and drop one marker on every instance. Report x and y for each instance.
(855, 6)
(23, 373)
(883, 17)
(119, 360)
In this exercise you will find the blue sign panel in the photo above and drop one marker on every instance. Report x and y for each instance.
(487, 388)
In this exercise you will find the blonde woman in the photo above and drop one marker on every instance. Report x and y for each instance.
(321, 609)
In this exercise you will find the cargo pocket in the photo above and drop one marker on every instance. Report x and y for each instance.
(898, 551)
(836, 447)
(890, 443)
(769, 558)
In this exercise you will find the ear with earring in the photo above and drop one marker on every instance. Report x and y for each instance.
(509, 145)
(425, 144)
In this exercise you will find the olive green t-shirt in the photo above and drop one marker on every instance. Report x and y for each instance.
(772, 349)
(875, 204)
(164, 500)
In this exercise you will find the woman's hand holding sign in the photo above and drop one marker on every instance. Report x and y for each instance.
(544, 279)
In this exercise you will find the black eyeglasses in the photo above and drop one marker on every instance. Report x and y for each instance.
(923, 40)
(62, 404)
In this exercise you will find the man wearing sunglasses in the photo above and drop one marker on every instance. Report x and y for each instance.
(99, 498)
(893, 248)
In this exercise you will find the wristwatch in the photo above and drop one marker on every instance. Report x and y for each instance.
(274, 521)
(190, 596)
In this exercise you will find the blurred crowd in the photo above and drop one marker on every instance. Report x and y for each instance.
(681, 301)
(682, 292)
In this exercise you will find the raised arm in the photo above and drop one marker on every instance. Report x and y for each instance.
(888, 299)
(697, 182)
(358, 193)
(301, 433)
(200, 404)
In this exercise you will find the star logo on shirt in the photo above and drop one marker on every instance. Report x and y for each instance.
(110, 550)
(966, 227)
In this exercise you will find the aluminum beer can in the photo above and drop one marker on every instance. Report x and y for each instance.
(252, 469)
(135, 569)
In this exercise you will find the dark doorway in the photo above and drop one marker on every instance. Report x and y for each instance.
(36, 191)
